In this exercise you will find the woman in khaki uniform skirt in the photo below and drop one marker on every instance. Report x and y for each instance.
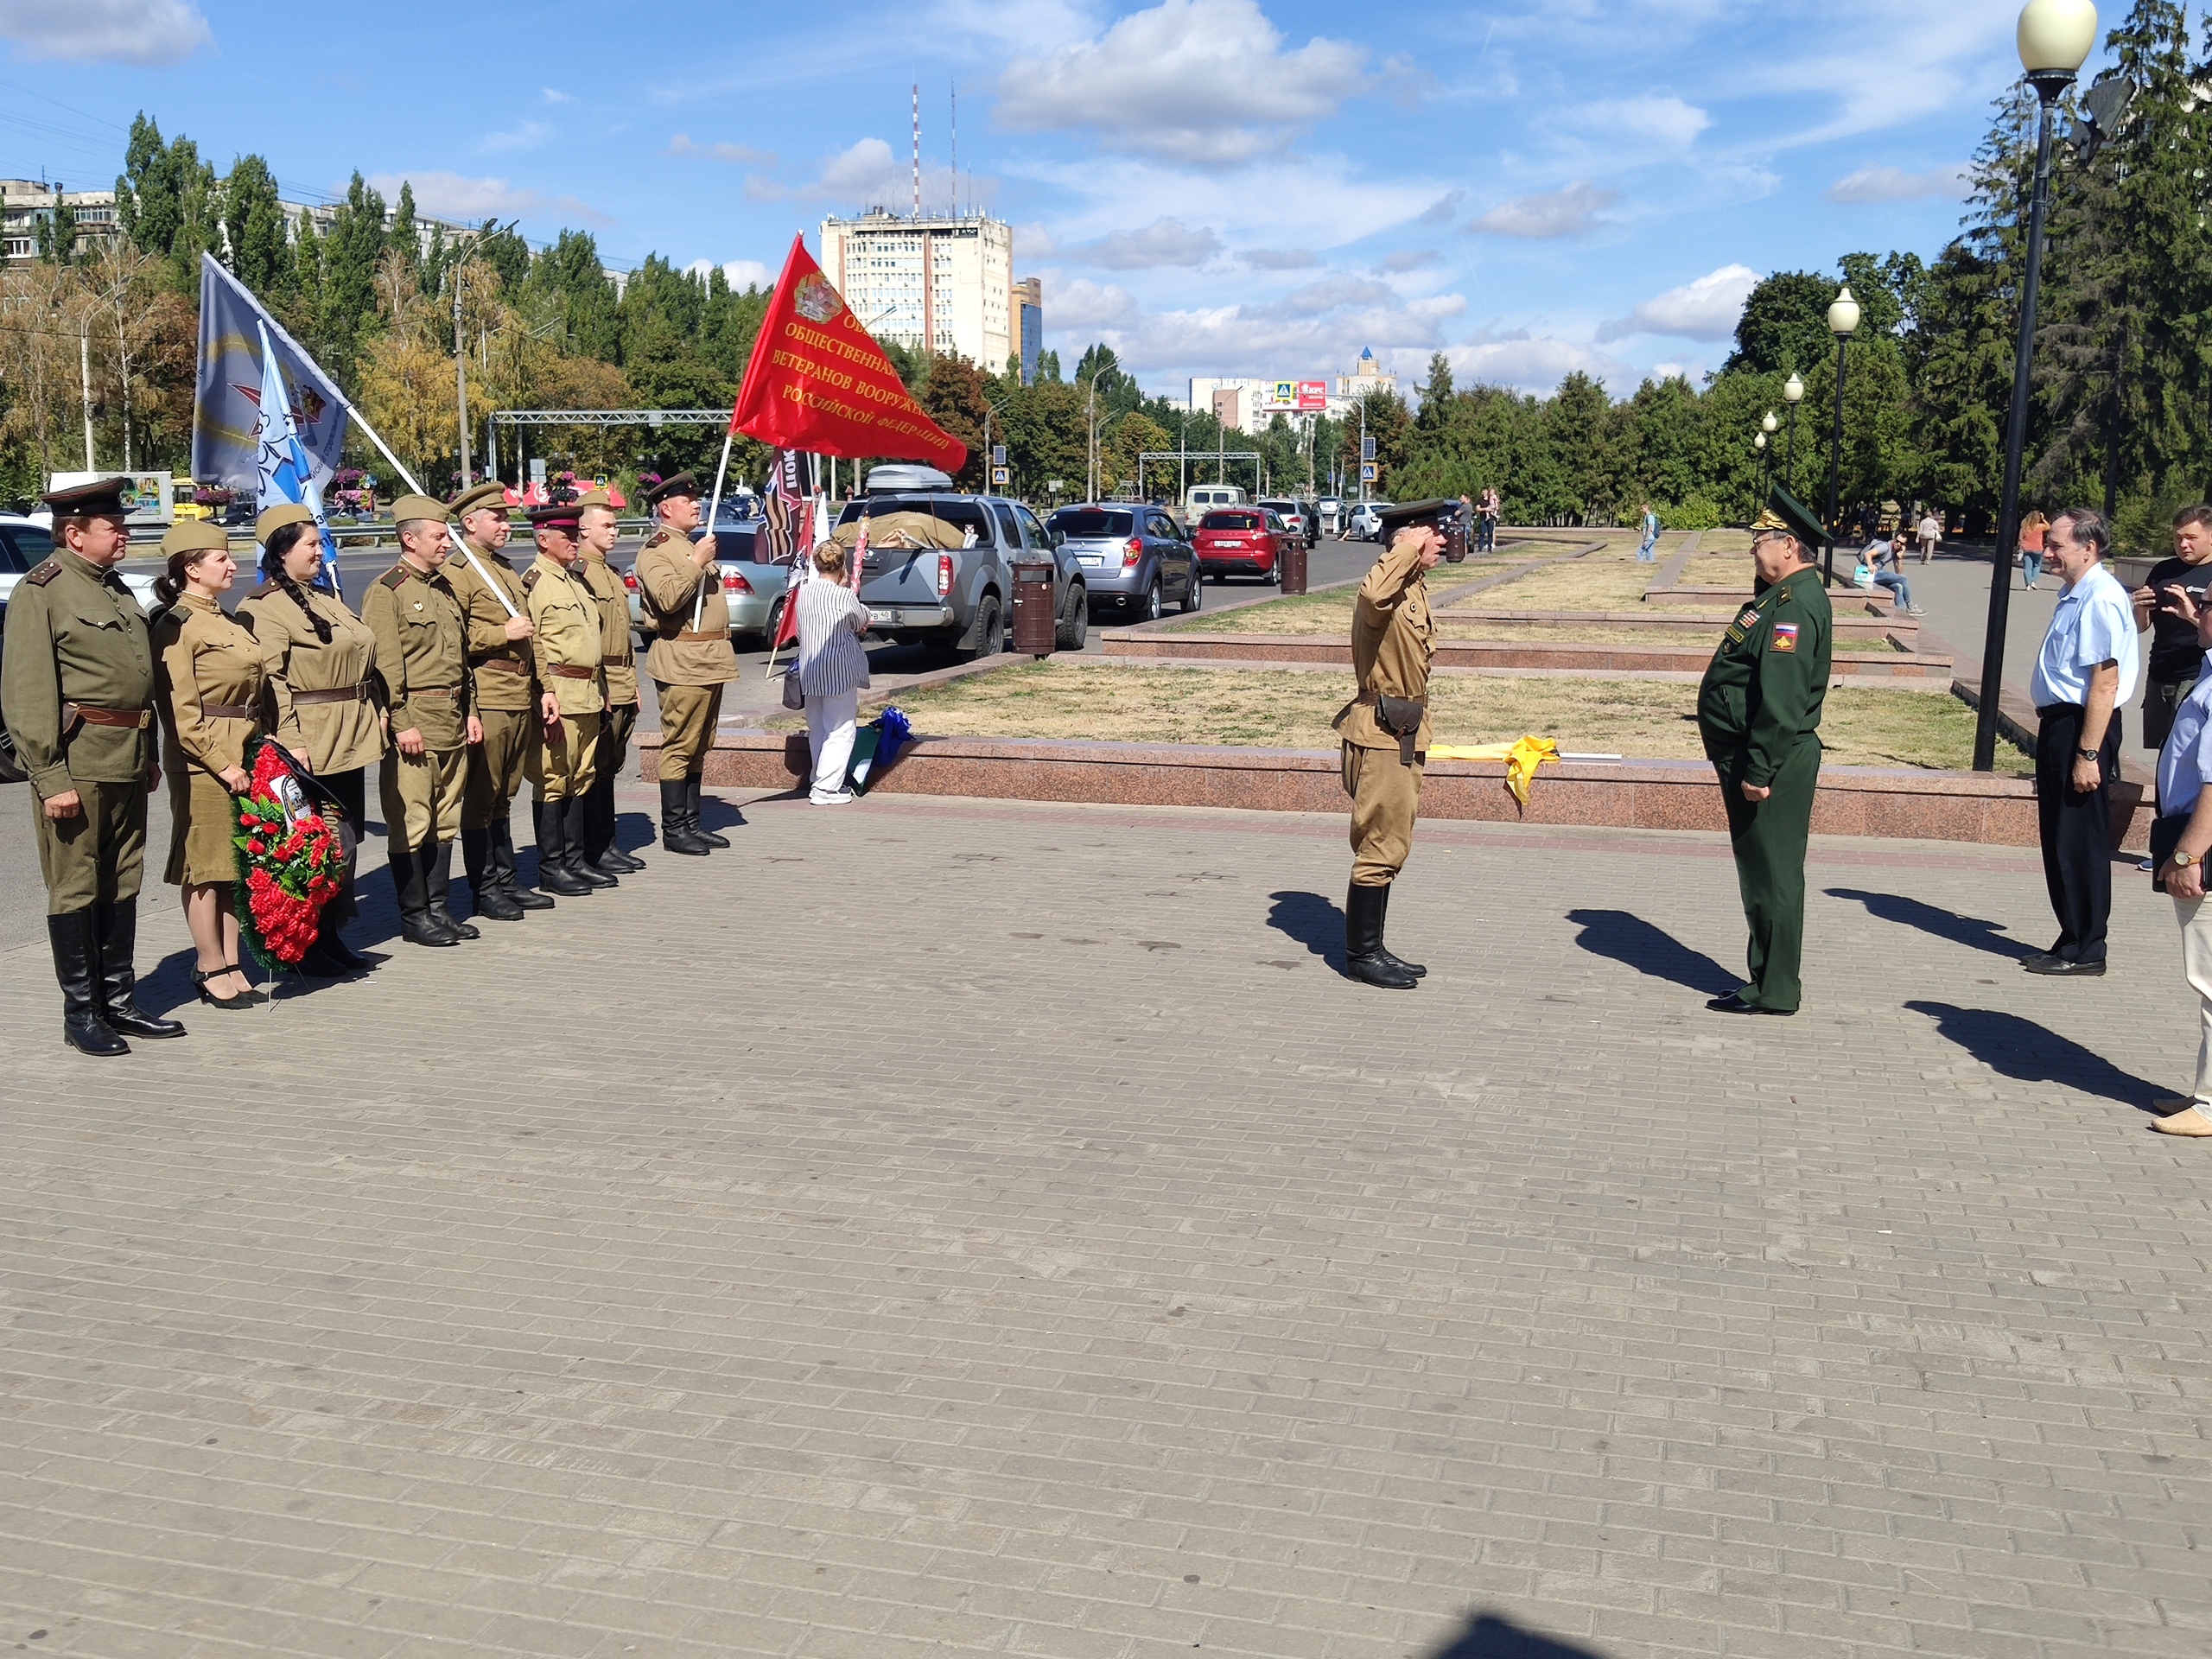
(320, 660)
(208, 681)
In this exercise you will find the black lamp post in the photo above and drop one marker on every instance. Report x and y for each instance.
(1793, 393)
(1766, 461)
(2055, 37)
(1843, 323)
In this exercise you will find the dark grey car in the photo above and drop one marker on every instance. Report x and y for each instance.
(961, 598)
(1133, 558)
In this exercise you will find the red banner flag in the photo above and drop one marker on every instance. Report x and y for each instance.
(818, 381)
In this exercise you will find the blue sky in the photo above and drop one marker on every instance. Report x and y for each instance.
(1213, 187)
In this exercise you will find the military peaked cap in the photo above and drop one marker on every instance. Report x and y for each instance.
(491, 495)
(291, 513)
(1436, 513)
(101, 499)
(563, 517)
(1785, 512)
(682, 484)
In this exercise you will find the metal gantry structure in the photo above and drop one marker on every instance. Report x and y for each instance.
(653, 417)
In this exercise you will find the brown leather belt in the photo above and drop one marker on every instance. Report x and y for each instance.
(358, 692)
(136, 718)
(433, 691)
(614, 662)
(226, 711)
(567, 673)
(703, 633)
(505, 665)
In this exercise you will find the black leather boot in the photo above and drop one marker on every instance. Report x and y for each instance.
(553, 873)
(1385, 951)
(1363, 957)
(437, 882)
(491, 901)
(691, 811)
(411, 884)
(76, 965)
(574, 813)
(503, 868)
(601, 850)
(115, 934)
(675, 822)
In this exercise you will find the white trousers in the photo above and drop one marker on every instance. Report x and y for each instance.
(2195, 918)
(830, 724)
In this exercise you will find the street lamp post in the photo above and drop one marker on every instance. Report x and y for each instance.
(2054, 37)
(1793, 393)
(1767, 427)
(1766, 461)
(1843, 323)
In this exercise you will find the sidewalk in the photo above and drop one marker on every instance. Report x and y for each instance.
(946, 1227)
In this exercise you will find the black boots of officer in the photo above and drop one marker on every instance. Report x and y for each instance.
(414, 871)
(437, 881)
(676, 833)
(115, 936)
(1365, 958)
(601, 851)
(492, 900)
(575, 819)
(691, 813)
(93, 962)
(502, 855)
(554, 874)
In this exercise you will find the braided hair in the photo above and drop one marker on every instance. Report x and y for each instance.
(281, 542)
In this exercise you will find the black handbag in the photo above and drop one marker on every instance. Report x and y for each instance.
(794, 694)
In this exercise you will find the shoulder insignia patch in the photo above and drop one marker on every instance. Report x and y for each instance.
(1750, 615)
(44, 573)
(1785, 636)
(529, 582)
(395, 578)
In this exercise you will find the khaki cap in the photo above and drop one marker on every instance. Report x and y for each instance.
(419, 506)
(491, 495)
(193, 535)
(275, 518)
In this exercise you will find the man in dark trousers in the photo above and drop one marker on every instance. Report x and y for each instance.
(1758, 712)
(2084, 676)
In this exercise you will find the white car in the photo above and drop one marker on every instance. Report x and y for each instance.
(1367, 521)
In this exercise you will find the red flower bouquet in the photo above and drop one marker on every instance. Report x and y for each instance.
(289, 860)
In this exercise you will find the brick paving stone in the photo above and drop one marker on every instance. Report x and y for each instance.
(1028, 1244)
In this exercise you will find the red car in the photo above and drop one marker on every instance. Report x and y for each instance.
(1241, 542)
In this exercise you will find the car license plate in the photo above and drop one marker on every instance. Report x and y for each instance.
(881, 619)
(1092, 560)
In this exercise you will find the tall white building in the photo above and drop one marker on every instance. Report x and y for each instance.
(941, 284)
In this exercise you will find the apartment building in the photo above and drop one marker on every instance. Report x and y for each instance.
(941, 283)
(27, 204)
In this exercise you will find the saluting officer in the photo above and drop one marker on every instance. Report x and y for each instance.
(597, 530)
(1386, 730)
(566, 639)
(77, 685)
(1758, 712)
(416, 619)
(690, 662)
(506, 702)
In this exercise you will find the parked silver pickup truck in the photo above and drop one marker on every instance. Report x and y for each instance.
(939, 562)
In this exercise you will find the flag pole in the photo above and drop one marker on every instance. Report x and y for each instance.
(452, 529)
(713, 502)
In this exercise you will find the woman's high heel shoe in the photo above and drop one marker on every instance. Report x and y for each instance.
(245, 999)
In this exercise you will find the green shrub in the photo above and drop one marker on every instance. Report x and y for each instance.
(1699, 512)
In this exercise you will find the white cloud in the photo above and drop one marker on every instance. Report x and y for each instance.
(1163, 242)
(1204, 82)
(867, 171)
(525, 135)
(1280, 258)
(140, 32)
(1570, 211)
(1033, 241)
(1664, 119)
(1405, 259)
(1443, 210)
(1877, 184)
(1705, 309)
(1533, 363)
(743, 155)
(554, 95)
(741, 274)
(449, 195)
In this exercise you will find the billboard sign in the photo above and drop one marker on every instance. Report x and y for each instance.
(148, 498)
(1295, 396)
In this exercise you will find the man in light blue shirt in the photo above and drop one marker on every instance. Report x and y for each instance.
(2088, 669)
(2179, 842)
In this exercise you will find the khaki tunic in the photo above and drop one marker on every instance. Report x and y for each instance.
(209, 672)
(501, 666)
(75, 635)
(669, 580)
(617, 649)
(417, 622)
(1393, 641)
(326, 695)
(567, 646)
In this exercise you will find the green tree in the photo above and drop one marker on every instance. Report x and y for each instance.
(253, 223)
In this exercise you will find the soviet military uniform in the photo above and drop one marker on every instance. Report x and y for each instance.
(77, 682)
(506, 692)
(567, 647)
(690, 665)
(1758, 712)
(618, 661)
(419, 629)
(209, 675)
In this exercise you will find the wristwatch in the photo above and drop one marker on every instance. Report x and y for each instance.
(2087, 754)
(2182, 861)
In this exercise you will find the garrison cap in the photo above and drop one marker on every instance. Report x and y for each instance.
(594, 498)
(291, 513)
(682, 484)
(193, 535)
(101, 498)
(1436, 513)
(563, 517)
(408, 507)
(1785, 512)
(490, 495)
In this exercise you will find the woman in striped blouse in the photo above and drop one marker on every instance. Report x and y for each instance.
(831, 671)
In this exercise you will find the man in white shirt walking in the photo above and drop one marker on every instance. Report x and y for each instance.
(2086, 671)
(1930, 531)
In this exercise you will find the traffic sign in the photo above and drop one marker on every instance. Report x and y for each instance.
(998, 454)
(1367, 449)
(1369, 472)
(999, 474)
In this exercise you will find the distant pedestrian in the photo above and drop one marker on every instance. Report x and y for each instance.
(1931, 531)
(832, 671)
(1648, 524)
(2032, 530)
(1885, 557)
(2179, 840)
(2084, 677)
(1491, 505)
(2174, 655)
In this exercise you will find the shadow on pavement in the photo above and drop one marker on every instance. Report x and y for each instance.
(1491, 1636)
(1633, 941)
(2028, 1053)
(1315, 922)
(1970, 931)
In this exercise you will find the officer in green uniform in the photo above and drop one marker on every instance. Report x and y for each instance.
(78, 684)
(1758, 712)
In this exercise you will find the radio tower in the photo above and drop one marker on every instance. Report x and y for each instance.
(918, 149)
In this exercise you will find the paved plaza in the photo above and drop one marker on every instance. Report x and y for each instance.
(937, 1227)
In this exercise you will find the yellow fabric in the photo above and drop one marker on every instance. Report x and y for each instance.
(1522, 757)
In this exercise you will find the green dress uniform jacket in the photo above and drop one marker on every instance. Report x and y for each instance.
(76, 636)
(1758, 713)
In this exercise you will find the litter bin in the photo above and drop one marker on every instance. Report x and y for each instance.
(1036, 625)
(1290, 562)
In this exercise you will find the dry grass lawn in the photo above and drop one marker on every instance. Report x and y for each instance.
(1270, 709)
(1329, 615)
